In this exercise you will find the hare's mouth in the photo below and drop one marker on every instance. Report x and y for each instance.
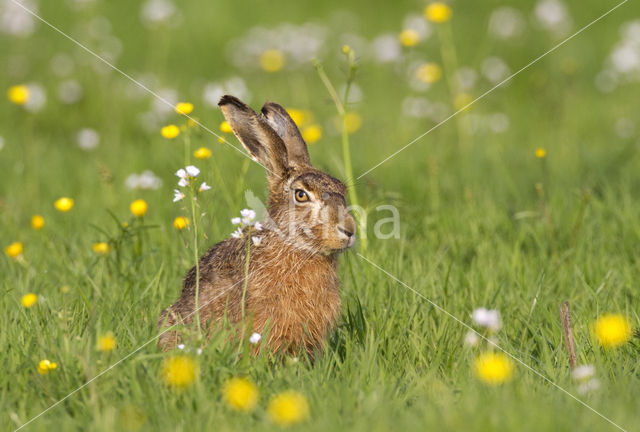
(347, 236)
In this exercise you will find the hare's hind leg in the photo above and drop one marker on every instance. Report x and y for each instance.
(168, 339)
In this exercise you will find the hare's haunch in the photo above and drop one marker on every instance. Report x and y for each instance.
(292, 284)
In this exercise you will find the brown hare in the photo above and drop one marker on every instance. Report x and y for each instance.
(292, 283)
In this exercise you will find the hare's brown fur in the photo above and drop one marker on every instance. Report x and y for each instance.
(292, 284)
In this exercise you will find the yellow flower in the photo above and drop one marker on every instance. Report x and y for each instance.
(612, 330)
(180, 223)
(409, 37)
(37, 222)
(65, 289)
(170, 132)
(462, 101)
(272, 60)
(493, 368)
(437, 12)
(101, 248)
(14, 250)
(353, 121)
(184, 108)
(63, 204)
(296, 115)
(45, 366)
(346, 49)
(312, 133)
(139, 207)
(106, 342)
(179, 371)
(429, 73)
(29, 300)
(288, 408)
(240, 394)
(192, 122)
(225, 127)
(18, 94)
(202, 153)
(300, 117)
(540, 153)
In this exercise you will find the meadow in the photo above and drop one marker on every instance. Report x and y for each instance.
(525, 199)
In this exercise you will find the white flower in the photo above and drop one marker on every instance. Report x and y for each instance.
(213, 91)
(495, 69)
(15, 20)
(37, 98)
(417, 23)
(489, 318)
(256, 240)
(181, 346)
(237, 233)
(255, 338)
(146, 180)
(69, 92)
(199, 351)
(192, 171)
(592, 384)
(471, 339)
(177, 195)
(386, 48)
(258, 226)
(583, 372)
(506, 22)
(187, 174)
(553, 15)
(155, 12)
(248, 214)
(87, 139)
(204, 187)
(236, 221)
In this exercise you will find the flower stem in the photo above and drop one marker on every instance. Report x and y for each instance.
(346, 147)
(187, 147)
(195, 257)
(450, 62)
(246, 280)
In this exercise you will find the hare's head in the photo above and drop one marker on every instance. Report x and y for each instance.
(306, 206)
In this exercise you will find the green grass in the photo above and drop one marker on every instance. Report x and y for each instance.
(475, 229)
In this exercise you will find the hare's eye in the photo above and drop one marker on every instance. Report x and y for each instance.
(301, 196)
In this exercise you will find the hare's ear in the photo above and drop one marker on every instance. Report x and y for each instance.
(260, 140)
(281, 122)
